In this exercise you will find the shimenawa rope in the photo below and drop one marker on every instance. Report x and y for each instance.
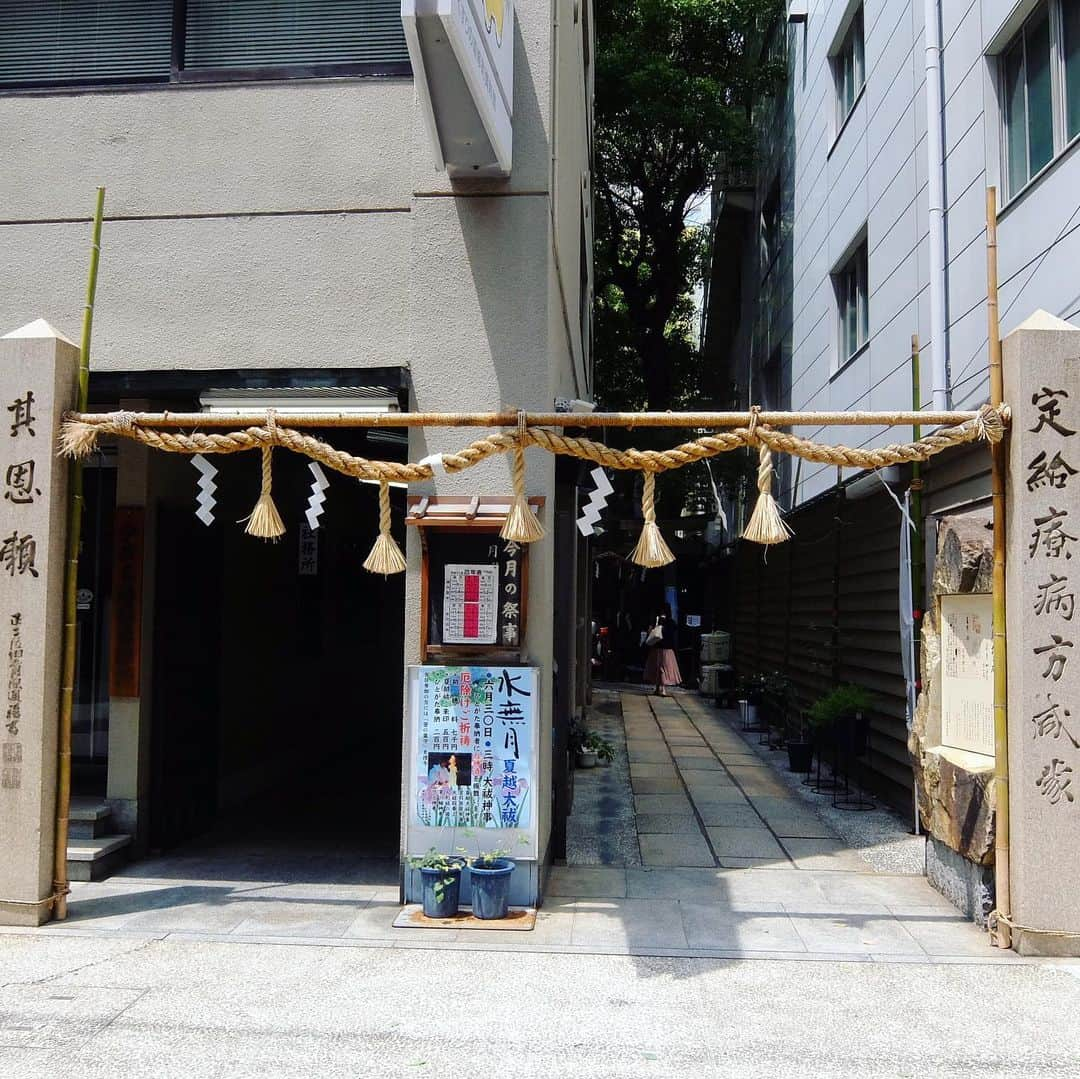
(79, 438)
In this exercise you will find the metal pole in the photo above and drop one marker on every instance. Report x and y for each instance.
(1003, 899)
(71, 577)
(706, 420)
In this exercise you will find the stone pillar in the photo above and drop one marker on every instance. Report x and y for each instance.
(37, 381)
(1041, 361)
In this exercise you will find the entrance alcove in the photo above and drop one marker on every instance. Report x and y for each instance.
(272, 684)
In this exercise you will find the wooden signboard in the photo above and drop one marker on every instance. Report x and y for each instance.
(125, 632)
(474, 584)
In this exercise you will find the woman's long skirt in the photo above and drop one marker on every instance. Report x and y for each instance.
(662, 668)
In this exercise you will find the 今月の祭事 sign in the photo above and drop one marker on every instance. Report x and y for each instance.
(475, 747)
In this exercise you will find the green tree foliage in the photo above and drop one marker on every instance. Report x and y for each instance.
(675, 85)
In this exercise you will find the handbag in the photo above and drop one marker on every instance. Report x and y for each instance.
(654, 636)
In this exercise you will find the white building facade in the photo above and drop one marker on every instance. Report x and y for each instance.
(868, 227)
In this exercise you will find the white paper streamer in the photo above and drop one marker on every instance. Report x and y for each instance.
(207, 489)
(590, 514)
(318, 495)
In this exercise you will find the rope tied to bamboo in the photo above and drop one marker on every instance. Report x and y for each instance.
(264, 521)
(385, 556)
(78, 438)
(521, 524)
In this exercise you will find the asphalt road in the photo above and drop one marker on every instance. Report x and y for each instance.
(117, 1007)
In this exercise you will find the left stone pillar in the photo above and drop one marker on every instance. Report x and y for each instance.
(38, 368)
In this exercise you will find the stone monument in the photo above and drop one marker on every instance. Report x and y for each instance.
(38, 368)
(1041, 363)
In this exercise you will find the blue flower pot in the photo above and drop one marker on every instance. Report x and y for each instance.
(441, 891)
(491, 889)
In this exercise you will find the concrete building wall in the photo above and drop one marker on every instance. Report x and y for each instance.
(303, 224)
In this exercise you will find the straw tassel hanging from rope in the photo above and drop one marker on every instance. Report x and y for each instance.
(651, 550)
(265, 521)
(521, 525)
(765, 526)
(386, 556)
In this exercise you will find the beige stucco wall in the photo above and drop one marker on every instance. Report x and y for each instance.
(303, 224)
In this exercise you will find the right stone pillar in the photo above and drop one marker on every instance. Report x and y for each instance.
(1041, 362)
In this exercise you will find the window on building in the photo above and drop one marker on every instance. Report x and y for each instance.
(849, 67)
(852, 304)
(104, 42)
(1040, 91)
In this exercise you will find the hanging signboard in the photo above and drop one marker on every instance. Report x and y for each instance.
(462, 54)
(474, 589)
(474, 753)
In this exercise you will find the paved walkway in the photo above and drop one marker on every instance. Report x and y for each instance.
(690, 844)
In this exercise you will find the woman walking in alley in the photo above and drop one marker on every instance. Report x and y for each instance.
(662, 666)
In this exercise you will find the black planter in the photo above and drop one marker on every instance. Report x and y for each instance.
(853, 734)
(800, 756)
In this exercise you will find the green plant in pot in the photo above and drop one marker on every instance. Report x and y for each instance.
(841, 718)
(490, 873)
(779, 701)
(440, 876)
(800, 745)
(590, 747)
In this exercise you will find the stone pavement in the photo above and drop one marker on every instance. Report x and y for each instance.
(699, 848)
(244, 961)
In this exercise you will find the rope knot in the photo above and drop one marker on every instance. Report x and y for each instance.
(125, 422)
(755, 415)
(990, 424)
(271, 426)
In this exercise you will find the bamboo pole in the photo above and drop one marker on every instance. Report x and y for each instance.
(71, 577)
(240, 419)
(1002, 887)
(918, 557)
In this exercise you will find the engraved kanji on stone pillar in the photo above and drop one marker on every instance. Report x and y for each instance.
(38, 368)
(1041, 362)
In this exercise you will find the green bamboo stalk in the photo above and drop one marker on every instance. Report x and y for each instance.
(71, 577)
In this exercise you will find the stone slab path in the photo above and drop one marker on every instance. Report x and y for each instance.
(691, 844)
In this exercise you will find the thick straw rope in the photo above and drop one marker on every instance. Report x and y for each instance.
(651, 550)
(264, 521)
(386, 556)
(79, 438)
(765, 526)
(521, 525)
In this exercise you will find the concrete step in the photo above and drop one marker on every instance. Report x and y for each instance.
(97, 858)
(88, 818)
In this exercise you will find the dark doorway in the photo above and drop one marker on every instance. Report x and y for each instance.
(90, 716)
(280, 730)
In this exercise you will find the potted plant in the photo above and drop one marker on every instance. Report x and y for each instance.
(600, 746)
(778, 701)
(590, 747)
(440, 875)
(800, 746)
(489, 877)
(840, 717)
